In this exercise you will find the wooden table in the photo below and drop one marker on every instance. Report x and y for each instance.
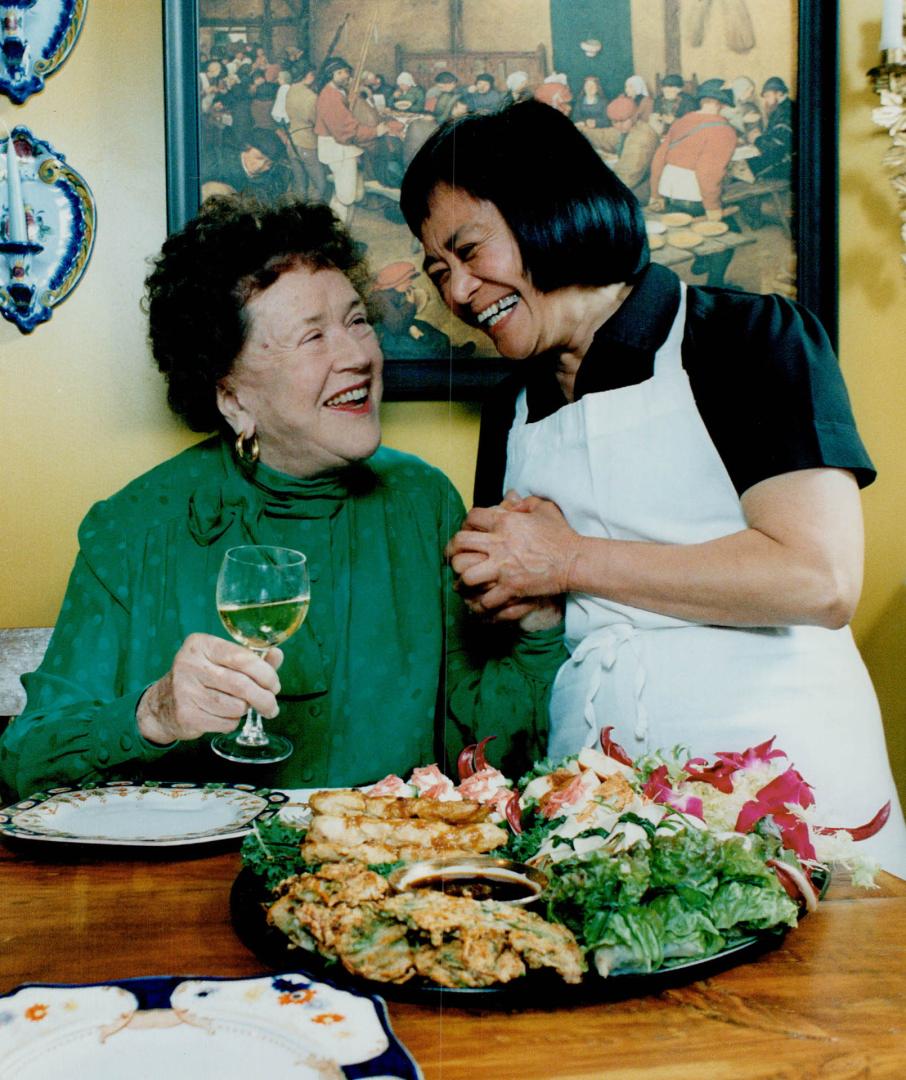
(830, 1002)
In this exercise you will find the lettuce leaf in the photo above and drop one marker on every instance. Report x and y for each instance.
(687, 931)
(631, 939)
(683, 894)
(741, 905)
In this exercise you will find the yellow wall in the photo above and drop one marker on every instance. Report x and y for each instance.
(872, 333)
(83, 408)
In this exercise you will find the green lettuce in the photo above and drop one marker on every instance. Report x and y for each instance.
(683, 894)
(741, 905)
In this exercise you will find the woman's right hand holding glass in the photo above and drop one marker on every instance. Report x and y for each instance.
(209, 688)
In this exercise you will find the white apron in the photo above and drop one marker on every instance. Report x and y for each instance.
(679, 183)
(637, 463)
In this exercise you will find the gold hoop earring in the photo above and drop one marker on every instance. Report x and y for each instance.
(247, 449)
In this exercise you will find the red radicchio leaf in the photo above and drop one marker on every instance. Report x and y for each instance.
(797, 883)
(513, 813)
(479, 758)
(861, 832)
(773, 799)
(795, 835)
(613, 749)
(753, 756)
(659, 790)
(717, 775)
(465, 763)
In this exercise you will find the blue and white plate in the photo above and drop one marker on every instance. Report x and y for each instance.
(60, 226)
(164, 814)
(37, 39)
(184, 1028)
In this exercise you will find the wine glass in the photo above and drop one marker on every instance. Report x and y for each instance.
(262, 597)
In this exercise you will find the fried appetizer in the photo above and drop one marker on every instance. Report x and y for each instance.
(348, 912)
(347, 802)
(352, 825)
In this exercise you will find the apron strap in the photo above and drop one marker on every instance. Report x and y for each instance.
(669, 357)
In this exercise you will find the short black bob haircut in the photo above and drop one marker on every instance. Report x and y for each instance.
(575, 221)
(197, 291)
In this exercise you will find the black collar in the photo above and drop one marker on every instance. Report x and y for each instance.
(623, 348)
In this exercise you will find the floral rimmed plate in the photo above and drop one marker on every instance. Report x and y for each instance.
(184, 1028)
(165, 814)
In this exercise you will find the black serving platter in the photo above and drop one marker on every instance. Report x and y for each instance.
(542, 989)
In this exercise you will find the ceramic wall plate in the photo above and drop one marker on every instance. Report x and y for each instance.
(61, 220)
(38, 36)
(183, 1029)
(140, 815)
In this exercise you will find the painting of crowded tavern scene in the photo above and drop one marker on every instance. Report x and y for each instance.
(691, 102)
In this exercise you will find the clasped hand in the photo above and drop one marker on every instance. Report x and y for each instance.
(514, 559)
(209, 688)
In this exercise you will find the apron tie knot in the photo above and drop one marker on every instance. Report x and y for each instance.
(603, 646)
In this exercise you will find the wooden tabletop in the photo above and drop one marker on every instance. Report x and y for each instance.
(829, 1002)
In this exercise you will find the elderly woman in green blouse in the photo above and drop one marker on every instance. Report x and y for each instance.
(259, 323)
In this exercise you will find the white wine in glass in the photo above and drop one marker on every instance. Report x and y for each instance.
(262, 598)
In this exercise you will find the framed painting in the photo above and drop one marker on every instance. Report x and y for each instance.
(246, 108)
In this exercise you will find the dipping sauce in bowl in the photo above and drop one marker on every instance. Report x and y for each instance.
(479, 877)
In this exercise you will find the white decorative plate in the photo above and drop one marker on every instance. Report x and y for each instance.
(161, 814)
(186, 1028)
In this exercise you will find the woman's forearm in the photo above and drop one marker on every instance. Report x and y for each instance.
(746, 579)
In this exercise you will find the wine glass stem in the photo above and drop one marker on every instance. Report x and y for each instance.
(252, 733)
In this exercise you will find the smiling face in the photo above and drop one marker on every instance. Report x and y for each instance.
(473, 259)
(308, 380)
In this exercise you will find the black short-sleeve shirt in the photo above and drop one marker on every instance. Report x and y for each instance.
(764, 376)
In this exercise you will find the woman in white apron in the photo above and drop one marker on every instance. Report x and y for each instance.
(708, 538)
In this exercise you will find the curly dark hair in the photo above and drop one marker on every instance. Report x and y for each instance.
(197, 291)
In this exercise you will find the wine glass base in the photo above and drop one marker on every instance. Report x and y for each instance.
(277, 748)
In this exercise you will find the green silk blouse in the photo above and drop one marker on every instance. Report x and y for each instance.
(387, 672)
